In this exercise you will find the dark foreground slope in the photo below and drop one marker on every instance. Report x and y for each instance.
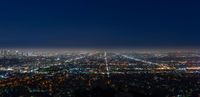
(91, 85)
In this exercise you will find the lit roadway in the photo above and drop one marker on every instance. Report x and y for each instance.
(106, 62)
(140, 60)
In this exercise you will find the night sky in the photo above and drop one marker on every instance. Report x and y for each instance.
(99, 23)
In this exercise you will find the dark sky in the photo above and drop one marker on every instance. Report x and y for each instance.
(101, 23)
